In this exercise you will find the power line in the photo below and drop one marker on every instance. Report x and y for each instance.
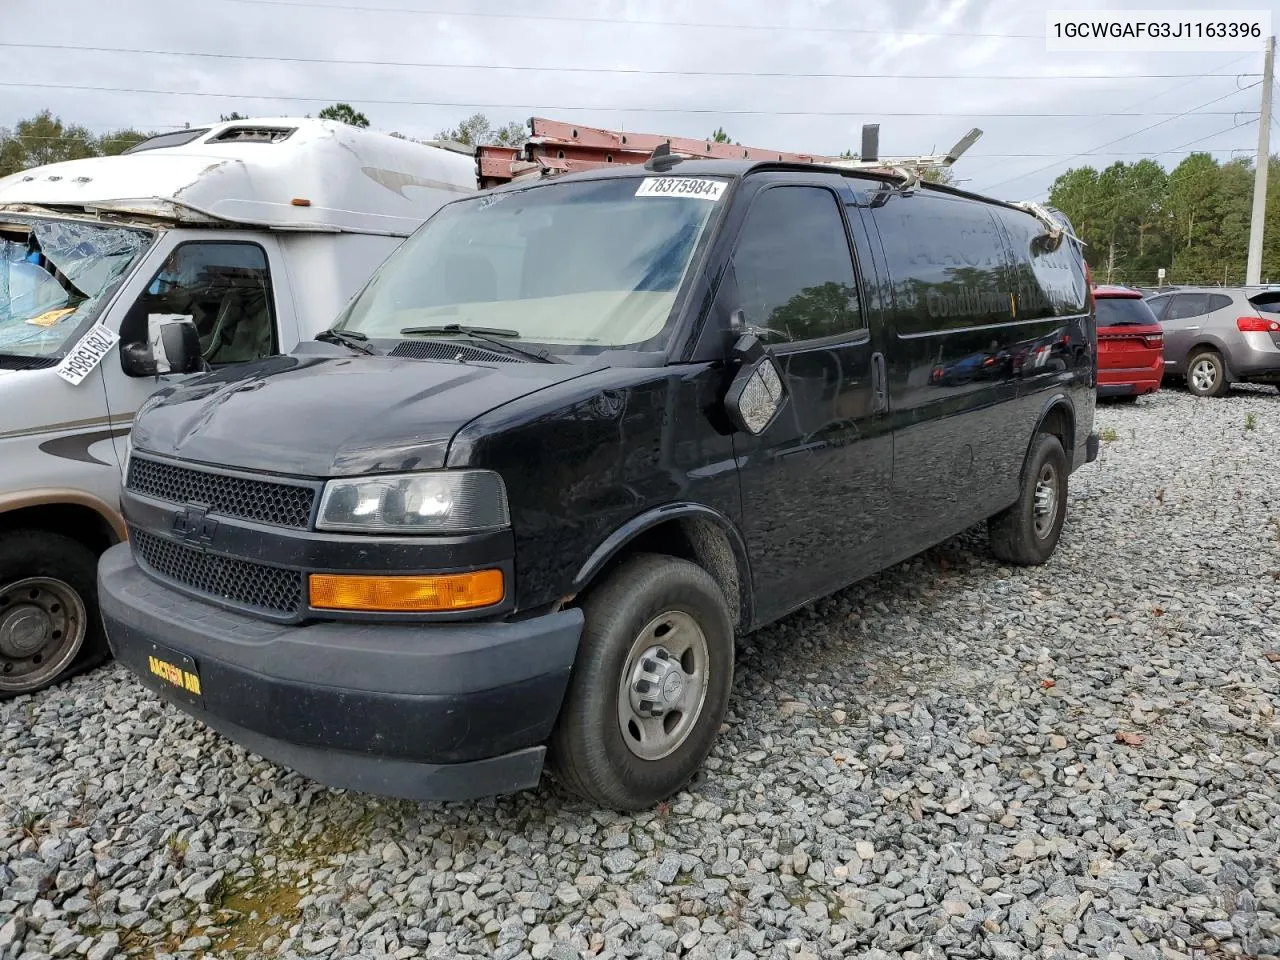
(627, 71)
(1145, 100)
(771, 27)
(1181, 147)
(1174, 178)
(603, 107)
(1196, 110)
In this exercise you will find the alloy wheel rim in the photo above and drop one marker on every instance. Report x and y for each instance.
(1204, 374)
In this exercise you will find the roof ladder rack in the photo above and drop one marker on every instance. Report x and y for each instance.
(555, 147)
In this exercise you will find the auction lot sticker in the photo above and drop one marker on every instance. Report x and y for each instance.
(86, 354)
(681, 187)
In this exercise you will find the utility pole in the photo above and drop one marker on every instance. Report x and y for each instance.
(1253, 272)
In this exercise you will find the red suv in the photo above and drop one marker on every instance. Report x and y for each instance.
(1130, 344)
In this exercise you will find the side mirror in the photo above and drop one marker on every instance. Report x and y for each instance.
(173, 346)
(757, 392)
(137, 361)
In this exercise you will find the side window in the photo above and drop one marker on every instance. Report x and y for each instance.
(1159, 305)
(793, 267)
(225, 287)
(949, 264)
(1218, 301)
(1188, 305)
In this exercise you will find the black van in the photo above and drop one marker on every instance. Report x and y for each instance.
(571, 439)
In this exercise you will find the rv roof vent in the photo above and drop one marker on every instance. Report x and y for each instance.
(244, 134)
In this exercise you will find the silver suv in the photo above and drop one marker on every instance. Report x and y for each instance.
(1219, 335)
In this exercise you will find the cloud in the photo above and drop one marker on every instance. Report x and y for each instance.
(811, 36)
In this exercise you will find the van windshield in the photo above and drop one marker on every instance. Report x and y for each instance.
(55, 277)
(580, 266)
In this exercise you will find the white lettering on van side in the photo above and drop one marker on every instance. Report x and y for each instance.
(681, 187)
(86, 354)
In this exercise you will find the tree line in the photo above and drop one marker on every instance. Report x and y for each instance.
(1192, 220)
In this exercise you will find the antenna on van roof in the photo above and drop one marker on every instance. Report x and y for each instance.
(662, 159)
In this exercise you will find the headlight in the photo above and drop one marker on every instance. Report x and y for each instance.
(450, 501)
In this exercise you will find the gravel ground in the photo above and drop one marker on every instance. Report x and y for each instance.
(952, 759)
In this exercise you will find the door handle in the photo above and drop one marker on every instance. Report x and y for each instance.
(879, 382)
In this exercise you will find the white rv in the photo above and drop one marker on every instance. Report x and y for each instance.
(249, 235)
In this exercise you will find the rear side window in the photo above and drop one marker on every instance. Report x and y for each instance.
(793, 267)
(947, 260)
(1123, 312)
(1268, 302)
(1187, 305)
(1218, 301)
(1048, 273)
(1159, 305)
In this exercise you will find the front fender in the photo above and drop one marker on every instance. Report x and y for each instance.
(617, 541)
(59, 496)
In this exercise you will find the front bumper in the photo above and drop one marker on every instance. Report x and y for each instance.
(421, 712)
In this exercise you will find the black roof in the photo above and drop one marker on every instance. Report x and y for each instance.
(713, 167)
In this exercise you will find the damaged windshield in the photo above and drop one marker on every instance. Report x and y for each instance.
(55, 276)
(579, 266)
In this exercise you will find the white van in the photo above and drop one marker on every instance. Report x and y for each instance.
(249, 235)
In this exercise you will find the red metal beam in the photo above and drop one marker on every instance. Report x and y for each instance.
(598, 139)
(557, 147)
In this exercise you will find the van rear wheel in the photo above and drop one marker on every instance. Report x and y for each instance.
(1027, 533)
(50, 627)
(650, 685)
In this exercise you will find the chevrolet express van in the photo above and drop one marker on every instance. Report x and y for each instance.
(581, 434)
(254, 232)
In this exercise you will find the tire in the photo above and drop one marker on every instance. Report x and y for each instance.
(50, 627)
(649, 601)
(1023, 534)
(1207, 374)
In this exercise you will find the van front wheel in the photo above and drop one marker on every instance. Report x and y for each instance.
(650, 686)
(49, 622)
(1028, 532)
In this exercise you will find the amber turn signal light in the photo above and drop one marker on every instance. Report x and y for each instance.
(437, 594)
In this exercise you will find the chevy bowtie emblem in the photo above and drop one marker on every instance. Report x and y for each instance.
(193, 526)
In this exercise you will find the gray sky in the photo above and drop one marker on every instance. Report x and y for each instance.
(800, 36)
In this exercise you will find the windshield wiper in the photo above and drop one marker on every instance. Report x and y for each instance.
(485, 335)
(351, 339)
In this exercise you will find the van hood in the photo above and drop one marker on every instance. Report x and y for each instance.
(333, 416)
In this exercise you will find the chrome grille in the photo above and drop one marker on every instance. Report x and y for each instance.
(270, 589)
(263, 501)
